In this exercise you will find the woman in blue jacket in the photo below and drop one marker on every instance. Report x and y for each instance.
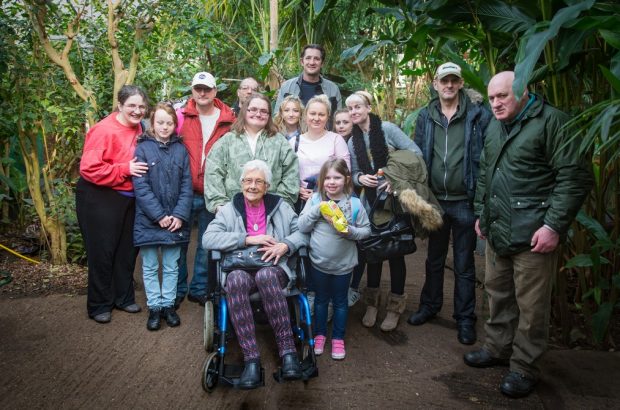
(163, 205)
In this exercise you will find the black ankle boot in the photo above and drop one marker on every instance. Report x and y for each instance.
(172, 319)
(290, 367)
(250, 378)
(154, 321)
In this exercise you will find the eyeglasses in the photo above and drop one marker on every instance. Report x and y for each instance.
(257, 182)
(133, 107)
(256, 110)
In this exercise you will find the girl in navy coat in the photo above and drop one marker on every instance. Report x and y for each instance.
(163, 205)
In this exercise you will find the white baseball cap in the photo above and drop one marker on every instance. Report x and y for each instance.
(204, 78)
(448, 69)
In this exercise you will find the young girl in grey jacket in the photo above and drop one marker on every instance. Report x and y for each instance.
(333, 253)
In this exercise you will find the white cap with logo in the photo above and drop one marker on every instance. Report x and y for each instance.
(448, 69)
(204, 78)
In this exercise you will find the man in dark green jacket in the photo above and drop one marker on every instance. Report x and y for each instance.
(532, 183)
(450, 133)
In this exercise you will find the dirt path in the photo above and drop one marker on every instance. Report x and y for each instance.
(52, 356)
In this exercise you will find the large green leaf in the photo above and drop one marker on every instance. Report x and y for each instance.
(612, 37)
(592, 225)
(351, 51)
(370, 49)
(318, 6)
(613, 80)
(600, 321)
(580, 261)
(504, 17)
(390, 11)
(535, 42)
(568, 44)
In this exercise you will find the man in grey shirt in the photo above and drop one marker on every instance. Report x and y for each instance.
(310, 82)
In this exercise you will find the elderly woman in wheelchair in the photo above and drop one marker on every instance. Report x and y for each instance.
(255, 218)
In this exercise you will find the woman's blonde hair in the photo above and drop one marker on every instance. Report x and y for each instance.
(238, 126)
(340, 166)
(360, 96)
(279, 117)
(321, 99)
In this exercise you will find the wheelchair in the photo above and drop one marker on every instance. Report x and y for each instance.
(215, 371)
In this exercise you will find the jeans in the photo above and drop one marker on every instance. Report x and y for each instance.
(156, 296)
(335, 288)
(459, 219)
(200, 279)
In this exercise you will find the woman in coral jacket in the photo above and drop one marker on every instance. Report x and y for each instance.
(105, 205)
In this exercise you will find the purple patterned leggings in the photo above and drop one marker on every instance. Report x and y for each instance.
(269, 281)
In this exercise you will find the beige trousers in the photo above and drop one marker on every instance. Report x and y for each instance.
(519, 290)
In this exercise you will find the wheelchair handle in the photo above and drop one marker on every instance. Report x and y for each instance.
(216, 255)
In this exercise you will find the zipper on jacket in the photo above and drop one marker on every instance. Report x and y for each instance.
(445, 159)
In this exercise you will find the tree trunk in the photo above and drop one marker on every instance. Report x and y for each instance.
(53, 227)
(56, 232)
(273, 78)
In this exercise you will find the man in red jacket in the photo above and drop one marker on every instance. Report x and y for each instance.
(202, 121)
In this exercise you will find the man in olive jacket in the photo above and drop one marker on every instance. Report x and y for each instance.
(532, 183)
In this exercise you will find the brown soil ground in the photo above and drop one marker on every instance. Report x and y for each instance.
(53, 356)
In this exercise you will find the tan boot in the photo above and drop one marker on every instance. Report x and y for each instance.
(395, 307)
(371, 298)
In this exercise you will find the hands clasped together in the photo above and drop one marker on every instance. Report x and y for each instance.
(273, 250)
(172, 223)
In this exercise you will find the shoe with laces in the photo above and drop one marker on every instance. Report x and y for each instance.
(338, 352)
(319, 344)
(354, 296)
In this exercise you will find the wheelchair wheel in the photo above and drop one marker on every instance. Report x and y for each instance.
(301, 329)
(208, 329)
(209, 372)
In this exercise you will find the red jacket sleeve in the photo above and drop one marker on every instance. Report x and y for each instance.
(107, 151)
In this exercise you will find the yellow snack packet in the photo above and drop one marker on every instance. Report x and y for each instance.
(331, 210)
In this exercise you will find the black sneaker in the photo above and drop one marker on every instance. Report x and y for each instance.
(154, 321)
(172, 319)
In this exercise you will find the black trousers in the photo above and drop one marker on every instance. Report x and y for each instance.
(398, 274)
(106, 220)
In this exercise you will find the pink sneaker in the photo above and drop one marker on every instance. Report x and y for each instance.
(319, 344)
(338, 352)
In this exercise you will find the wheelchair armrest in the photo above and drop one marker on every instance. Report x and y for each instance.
(216, 255)
(301, 267)
(303, 252)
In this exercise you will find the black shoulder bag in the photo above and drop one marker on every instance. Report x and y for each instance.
(390, 239)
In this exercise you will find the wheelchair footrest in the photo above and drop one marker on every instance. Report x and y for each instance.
(309, 368)
(308, 371)
(232, 374)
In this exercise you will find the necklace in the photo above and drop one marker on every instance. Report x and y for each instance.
(254, 214)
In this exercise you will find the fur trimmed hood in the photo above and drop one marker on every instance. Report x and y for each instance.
(427, 215)
(407, 173)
